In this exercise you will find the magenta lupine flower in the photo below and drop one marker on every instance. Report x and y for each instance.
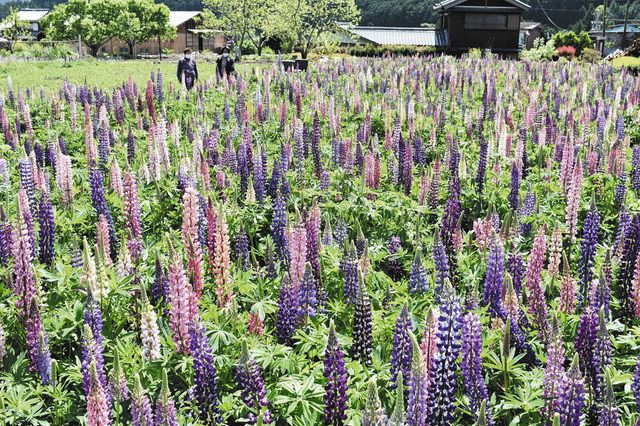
(131, 211)
(402, 347)
(98, 412)
(141, 414)
(165, 413)
(554, 374)
(252, 388)
(191, 239)
(536, 297)
(571, 396)
(335, 373)
(204, 392)
(182, 300)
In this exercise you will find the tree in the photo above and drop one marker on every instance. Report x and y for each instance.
(93, 21)
(247, 20)
(13, 29)
(312, 18)
(160, 28)
(140, 21)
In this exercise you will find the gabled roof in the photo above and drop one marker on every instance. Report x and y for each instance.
(180, 17)
(32, 15)
(407, 36)
(526, 25)
(448, 4)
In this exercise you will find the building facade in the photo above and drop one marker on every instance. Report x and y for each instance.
(482, 24)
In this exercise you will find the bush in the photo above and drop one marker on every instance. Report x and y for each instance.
(371, 50)
(540, 51)
(568, 52)
(569, 38)
(590, 55)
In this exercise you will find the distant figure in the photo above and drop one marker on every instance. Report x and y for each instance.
(224, 64)
(187, 67)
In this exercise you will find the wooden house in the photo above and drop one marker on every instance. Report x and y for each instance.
(482, 24)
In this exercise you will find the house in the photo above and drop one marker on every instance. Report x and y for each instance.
(381, 36)
(33, 18)
(529, 32)
(614, 36)
(187, 35)
(482, 24)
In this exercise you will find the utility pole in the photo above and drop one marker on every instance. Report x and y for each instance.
(626, 18)
(604, 27)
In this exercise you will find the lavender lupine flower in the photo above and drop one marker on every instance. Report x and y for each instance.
(588, 251)
(418, 384)
(601, 357)
(620, 191)
(141, 414)
(26, 182)
(402, 347)
(46, 251)
(92, 354)
(494, 279)
(362, 340)
(443, 386)
(554, 373)
(278, 227)
(351, 283)
(340, 232)
(630, 250)
(308, 293)
(441, 262)
(288, 312)
(600, 292)
(160, 287)
(635, 386)
(515, 267)
(327, 234)
(204, 392)
(528, 207)
(609, 415)
(571, 396)
(471, 364)
(373, 413)
(514, 195)
(165, 414)
(335, 398)
(6, 239)
(252, 388)
(635, 169)
(482, 165)
(418, 277)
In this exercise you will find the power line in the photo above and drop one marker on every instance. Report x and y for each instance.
(545, 14)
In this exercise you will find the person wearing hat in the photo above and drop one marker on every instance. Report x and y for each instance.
(224, 64)
(187, 67)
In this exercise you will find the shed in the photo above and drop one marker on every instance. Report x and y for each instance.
(483, 24)
(529, 32)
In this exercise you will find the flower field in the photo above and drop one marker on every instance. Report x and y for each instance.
(428, 241)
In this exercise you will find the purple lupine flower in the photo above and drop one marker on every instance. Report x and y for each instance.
(585, 338)
(131, 147)
(315, 146)
(402, 347)
(443, 386)
(600, 292)
(335, 398)
(441, 262)
(278, 228)
(100, 205)
(630, 250)
(165, 414)
(6, 239)
(350, 266)
(103, 143)
(620, 191)
(360, 240)
(418, 277)
(340, 234)
(159, 91)
(624, 220)
(243, 169)
(635, 386)
(588, 251)
(308, 293)
(160, 287)
(252, 388)
(26, 182)
(482, 164)
(288, 316)
(528, 207)
(635, 169)
(514, 195)
(204, 392)
(92, 354)
(554, 373)
(494, 279)
(571, 396)
(609, 415)
(450, 219)
(601, 357)
(362, 340)
(242, 249)
(46, 251)
(141, 414)
(313, 235)
(260, 175)
(515, 267)
(471, 363)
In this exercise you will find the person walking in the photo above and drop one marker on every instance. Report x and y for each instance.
(224, 64)
(187, 69)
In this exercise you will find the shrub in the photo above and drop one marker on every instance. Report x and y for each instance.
(540, 51)
(569, 38)
(371, 50)
(566, 52)
(590, 55)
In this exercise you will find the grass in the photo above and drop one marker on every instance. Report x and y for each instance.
(626, 61)
(50, 75)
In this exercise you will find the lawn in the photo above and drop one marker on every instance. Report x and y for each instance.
(626, 61)
(105, 74)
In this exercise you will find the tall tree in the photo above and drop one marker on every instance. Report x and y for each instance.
(140, 21)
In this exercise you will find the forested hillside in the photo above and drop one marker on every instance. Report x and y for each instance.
(566, 14)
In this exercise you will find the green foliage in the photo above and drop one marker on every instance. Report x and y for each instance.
(541, 51)
(13, 29)
(569, 38)
(372, 50)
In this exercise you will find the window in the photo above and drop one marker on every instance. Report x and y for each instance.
(34, 26)
(485, 21)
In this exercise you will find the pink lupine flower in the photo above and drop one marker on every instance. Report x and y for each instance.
(190, 239)
(182, 300)
(222, 262)
(483, 230)
(555, 251)
(424, 189)
(256, 326)
(103, 239)
(533, 277)
(131, 212)
(298, 249)
(429, 344)
(369, 170)
(567, 292)
(64, 178)
(116, 178)
(97, 403)
(91, 149)
(573, 200)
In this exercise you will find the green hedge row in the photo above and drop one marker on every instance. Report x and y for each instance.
(372, 50)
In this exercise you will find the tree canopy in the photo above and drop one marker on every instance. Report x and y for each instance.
(12, 28)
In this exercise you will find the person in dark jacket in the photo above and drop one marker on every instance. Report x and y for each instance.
(188, 69)
(224, 64)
